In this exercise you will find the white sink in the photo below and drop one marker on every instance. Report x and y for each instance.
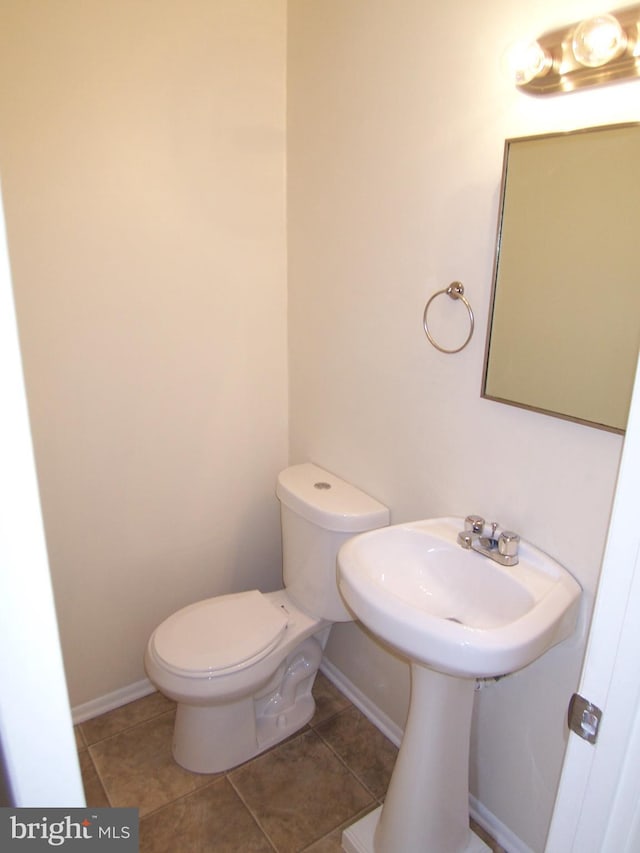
(455, 610)
(458, 615)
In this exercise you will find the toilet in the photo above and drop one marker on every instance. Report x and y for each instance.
(241, 666)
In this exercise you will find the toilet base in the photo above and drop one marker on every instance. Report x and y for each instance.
(215, 738)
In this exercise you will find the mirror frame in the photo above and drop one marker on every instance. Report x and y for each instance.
(496, 269)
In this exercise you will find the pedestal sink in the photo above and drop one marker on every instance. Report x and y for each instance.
(458, 616)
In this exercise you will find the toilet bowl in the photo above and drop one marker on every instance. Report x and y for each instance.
(248, 700)
(241, 666)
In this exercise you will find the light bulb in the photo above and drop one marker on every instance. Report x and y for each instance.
(598, 41)
(528, 61)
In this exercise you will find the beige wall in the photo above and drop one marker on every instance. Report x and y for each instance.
(143, 160)
(398, 113)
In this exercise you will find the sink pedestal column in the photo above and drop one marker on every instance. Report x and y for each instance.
(426, 809)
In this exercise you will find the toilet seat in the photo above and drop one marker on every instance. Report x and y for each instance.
(219, 635)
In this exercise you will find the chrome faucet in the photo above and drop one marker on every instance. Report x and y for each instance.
(500, 546)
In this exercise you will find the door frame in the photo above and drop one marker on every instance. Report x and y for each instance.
(38, 757)
(597, 807)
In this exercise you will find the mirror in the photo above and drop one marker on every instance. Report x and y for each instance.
(564, 328)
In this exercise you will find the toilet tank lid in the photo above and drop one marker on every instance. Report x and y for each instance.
(327, 501)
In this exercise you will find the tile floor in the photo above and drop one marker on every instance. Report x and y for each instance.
(298, 796)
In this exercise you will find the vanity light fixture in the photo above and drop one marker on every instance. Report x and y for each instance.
(587, 53)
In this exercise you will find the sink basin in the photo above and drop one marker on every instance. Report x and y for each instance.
(455, 610)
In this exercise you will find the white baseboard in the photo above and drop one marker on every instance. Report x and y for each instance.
(371, 711)
(486, 819)
(496, 829)
(102, 704)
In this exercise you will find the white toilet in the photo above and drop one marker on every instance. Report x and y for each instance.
(241, 666)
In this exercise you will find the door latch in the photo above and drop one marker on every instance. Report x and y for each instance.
(584, 718)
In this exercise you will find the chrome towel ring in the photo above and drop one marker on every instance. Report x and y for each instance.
(454, 291)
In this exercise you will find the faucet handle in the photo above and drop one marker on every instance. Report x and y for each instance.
(474, 523)
(508, 543)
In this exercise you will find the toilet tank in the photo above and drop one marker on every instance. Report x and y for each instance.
(319, 512)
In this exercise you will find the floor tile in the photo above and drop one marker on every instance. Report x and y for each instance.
(488, 840)
(299, 792)
(365, 750)
(329, 700)
(94, 793)
(296, 798)
(137, 768)
(332, 843)
(213, 820)
(124, 717)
